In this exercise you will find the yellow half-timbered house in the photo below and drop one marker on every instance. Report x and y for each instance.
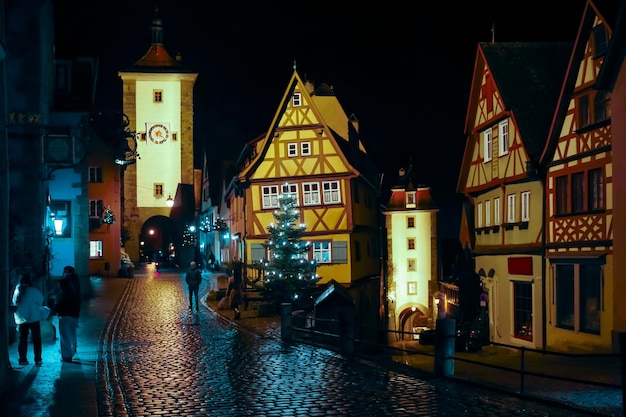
(312, 150)
(580, 287)
(514, 91)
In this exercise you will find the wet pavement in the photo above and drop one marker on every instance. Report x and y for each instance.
(142, 352)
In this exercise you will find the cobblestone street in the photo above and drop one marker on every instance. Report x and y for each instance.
(160, 358)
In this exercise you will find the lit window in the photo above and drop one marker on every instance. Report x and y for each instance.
(292, 149)
(503, 137)
(525, 197)
(291, 190)
(496, 211)
(95, 249)
(479, 214)
(510, 212)
(270, 196)
(311, 193)
(331, 192)
(487, 145)
(321, 252)
(305, 148)
(523, 310)
(411, 288)
(488, 213)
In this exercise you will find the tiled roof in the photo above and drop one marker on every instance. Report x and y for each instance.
(158, 60)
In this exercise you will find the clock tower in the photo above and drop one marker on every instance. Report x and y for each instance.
(158, 100)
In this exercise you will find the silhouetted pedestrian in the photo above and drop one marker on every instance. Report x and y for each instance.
(67, 306)
(193, 279)
(28, 301)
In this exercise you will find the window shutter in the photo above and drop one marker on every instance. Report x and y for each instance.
(257, 251)
(340, 252)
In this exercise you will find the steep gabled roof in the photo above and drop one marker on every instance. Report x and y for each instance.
(616, 52)
(588, 17)
(344, 132)
(529, 76)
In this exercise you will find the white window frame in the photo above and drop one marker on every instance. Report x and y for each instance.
(331, 192)
(496, 211)
(322, 252)
(479, 214)
(269, 196)
(292, 149)
(296, 100)
(525, 206)
(503, 137)
(311, 193)
(487, 213)
(487, 144)
(510, 208)
(305, 149)
(292, 190)
(95, 249)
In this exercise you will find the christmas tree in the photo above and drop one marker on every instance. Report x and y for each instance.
(108, 216)
(288, 276)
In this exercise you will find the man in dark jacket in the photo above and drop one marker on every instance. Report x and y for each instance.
(193, 279)
(67, 306)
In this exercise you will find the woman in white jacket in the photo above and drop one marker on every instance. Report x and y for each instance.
(28, 300)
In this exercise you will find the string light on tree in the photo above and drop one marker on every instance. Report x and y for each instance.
(289, 274)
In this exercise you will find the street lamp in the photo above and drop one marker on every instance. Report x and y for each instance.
(170, 201)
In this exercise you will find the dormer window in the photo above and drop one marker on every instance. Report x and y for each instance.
(410, 199)
(296, 100)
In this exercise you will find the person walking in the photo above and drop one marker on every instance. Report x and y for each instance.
(28, 301)
(67, 306)
(234, 293)
(193, 279)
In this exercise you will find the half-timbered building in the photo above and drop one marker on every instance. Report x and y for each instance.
(312, 150)
(513, 94)
(580, 291)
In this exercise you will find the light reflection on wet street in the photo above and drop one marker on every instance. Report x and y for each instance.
(160, 358)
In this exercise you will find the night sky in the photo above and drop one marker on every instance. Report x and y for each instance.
(402, 68)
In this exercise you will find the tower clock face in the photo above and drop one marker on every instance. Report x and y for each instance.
(158, 133)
